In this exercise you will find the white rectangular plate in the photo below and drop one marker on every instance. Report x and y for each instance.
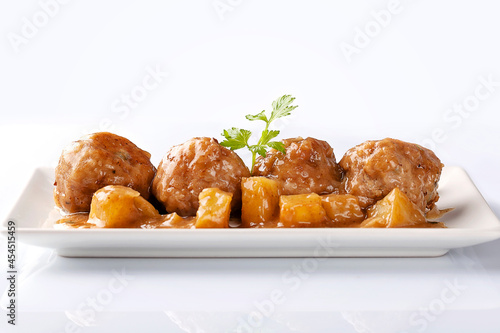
(472, 222)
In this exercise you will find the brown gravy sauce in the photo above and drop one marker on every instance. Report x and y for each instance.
(81, 221)
(171, 221)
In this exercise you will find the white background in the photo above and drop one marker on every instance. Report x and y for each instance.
(220, 61)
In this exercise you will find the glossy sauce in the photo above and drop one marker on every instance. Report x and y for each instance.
(168, 221)
(174, 221)
(121, 207)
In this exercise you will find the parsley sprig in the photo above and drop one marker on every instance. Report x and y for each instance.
(237, 138)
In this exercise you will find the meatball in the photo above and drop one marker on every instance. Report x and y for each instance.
(199, 163)
(98, 160)
(308, 166)
(374, 168)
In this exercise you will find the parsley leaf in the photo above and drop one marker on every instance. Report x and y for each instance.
(259, 116)
(268, 135)
(277, 145)
(259, 149)
(282, 108)
(236, 138)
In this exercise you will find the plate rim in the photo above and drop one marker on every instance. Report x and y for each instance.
(470, 236)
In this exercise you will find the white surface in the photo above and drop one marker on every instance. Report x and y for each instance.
(431, 56)
(471, 223)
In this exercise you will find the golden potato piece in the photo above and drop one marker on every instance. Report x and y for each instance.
(394, 211)
(303, 211)
(342, 209)
(260, 201)
(214, 209)
(116, 206)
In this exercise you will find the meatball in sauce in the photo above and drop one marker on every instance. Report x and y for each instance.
(95, 161)
(199, 163)
(374, 168)
(309, 166)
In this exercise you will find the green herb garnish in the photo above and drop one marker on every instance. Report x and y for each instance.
(237, 138)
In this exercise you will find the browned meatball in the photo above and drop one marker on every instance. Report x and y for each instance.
(197, 164)
(98, 160)
(308, 166)
(374, 168)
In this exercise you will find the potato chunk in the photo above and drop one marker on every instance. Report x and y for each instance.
(394, 211)
(116, 206)
(342, 209)
(260, 201)
(303, 211)
(214, 209)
